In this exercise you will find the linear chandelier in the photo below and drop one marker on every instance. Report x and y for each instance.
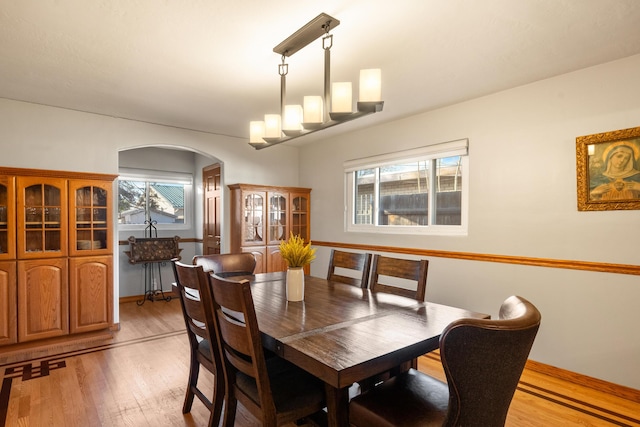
(317, 112)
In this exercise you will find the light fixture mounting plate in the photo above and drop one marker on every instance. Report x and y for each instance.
(305, 35)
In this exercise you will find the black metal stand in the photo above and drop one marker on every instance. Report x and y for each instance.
(151, 292)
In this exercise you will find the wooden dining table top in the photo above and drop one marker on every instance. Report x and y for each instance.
(343, 334)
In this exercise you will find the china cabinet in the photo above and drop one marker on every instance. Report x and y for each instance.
(262, 216)
(8, 303)
(56, 254)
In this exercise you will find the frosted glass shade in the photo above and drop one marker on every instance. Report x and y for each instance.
(292, 118)
(370, 85)
(313, 109)
(341, 97)
(256, 132)
(272, 124)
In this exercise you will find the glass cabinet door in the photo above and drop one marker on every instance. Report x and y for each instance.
(277, 218)
(7, 218)
(300, 215)
(90, 217)
(42, 219)
(253, 215)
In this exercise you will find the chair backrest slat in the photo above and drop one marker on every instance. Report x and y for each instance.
(415, 270)
(360, 262)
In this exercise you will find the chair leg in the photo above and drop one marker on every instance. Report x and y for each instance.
(194, 370)
(230, 411)
(218, 400)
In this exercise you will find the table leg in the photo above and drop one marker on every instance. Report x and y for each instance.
(337, 406)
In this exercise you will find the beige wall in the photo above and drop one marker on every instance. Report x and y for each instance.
(522, 203)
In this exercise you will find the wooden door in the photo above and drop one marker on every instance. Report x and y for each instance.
(89, 217)
(42, 217)
(211, 180)
(7, 218)
(8, 302)
(275, 262)
(90, 293)
(43, 299)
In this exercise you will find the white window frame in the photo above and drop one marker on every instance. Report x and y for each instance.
(442, 150)
(186, 179)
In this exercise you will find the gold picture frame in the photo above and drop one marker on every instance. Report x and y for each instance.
(608, 170)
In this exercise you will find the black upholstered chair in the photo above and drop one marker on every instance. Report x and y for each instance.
(360, 262)
(482, 359)
(227, 265)
(272, 389)
(197, 307)
(413, 270)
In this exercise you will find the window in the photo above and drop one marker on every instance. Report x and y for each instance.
(165, 197)
(417, 191)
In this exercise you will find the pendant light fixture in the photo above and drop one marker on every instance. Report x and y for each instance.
(316, 112)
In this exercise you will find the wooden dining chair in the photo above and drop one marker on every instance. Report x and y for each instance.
(227, 265)
(482, 360)
(385, 268)
(272, 389)
(359, 263)
(197, 307)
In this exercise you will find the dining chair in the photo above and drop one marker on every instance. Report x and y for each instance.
(227, 265)
(483, 360)
(196, 302)
(359, 263)
(384, 268)
(272, 389)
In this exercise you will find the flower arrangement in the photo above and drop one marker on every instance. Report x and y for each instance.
(295, 252)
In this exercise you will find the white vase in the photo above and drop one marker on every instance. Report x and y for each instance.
(295, 284)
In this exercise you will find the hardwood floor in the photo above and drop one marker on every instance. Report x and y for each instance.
(138, 379)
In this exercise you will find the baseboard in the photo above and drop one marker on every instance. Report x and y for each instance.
(585, 380)
(53, 346)
(132, 298)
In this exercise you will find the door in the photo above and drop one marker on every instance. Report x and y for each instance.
(43, 299)
(212, 215)
(90, 293)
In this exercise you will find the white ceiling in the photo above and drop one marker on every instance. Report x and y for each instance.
(208, 65)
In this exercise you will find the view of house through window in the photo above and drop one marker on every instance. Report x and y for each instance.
(162, 201)
(425, 190)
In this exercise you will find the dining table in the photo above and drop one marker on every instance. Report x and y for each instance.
(343, 334)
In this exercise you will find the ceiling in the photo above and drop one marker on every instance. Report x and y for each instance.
(209, 65)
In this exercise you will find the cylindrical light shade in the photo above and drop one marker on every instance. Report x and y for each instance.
(292, 117)
(370, 85)
(341, 97)
(313, 111)
(256, 132)
(272, 126)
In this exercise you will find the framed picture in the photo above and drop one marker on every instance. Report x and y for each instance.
(608, 170)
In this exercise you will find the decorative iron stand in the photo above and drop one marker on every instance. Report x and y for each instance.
(153, 251)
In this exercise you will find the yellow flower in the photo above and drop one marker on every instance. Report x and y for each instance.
(295, 252)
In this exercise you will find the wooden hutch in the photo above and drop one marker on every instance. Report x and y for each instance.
(262, 216)
(56, 255)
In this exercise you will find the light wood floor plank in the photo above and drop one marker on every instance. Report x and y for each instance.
(138, 379)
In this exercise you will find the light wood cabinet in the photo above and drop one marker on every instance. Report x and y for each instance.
(7, 217)
(90, 229)
(42, 217)
(43, 299)
(91, 293)
(8, 303)
(56, 236)
(262, 216)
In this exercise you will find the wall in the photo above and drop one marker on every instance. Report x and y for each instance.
(522, 203)
(42, 137)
